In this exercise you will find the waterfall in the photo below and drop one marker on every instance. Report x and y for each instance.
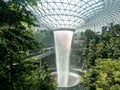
(63, 40)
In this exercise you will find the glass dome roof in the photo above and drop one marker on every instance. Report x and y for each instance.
(75, 14)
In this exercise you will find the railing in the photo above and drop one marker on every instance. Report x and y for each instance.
(78, 70)
(42, 53)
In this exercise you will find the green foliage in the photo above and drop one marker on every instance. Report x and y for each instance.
(88, 54)
(102, 60)
(109, 46)
(14, 13)
(14, 43)
(88, 36)
(106, 45)
(45, 81)
(104, 76)
(45, 37)
(16, 39)
(39, 78)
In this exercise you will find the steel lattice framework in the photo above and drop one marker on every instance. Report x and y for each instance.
(75, 14)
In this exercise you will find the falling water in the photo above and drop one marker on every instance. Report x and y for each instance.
(63, 40)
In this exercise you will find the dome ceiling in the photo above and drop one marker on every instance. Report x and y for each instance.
(75, 14)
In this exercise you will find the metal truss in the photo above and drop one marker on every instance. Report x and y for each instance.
(76, 14)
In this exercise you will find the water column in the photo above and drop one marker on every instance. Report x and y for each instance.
(63, 40)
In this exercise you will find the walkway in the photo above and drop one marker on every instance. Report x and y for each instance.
(42, 53)
(78, 70)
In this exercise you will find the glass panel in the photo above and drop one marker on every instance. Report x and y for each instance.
(74, 13)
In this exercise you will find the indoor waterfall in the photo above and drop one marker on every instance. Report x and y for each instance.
(63, 40)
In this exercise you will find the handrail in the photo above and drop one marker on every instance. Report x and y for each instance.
(41, 52)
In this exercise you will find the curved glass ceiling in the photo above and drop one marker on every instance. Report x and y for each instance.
(74, 14)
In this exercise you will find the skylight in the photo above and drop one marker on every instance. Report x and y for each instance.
(74, 14)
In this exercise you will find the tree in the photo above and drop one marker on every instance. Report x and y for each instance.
(15, 41)
(38, 78)
(104, 76)
(14, 13)
(45, 37)
(104, 71)
(89, 35)
(109, 46)
(88, 55)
